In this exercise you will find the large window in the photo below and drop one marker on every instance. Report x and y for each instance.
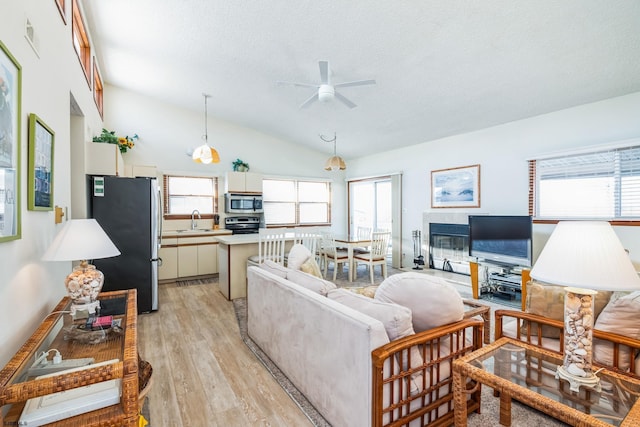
(296, 202)
(184, 194)
(81, 40)
(602, 185)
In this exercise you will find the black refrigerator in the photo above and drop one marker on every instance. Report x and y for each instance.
(128, 209)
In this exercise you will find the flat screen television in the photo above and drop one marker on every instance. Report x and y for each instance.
(501, 239)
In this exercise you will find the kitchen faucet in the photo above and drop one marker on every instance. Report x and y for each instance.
(193, 218)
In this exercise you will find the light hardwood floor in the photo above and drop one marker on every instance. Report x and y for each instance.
(203, 374)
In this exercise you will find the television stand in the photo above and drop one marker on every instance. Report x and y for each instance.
(507, 285)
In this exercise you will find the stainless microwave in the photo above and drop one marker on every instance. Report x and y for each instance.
(242, 203)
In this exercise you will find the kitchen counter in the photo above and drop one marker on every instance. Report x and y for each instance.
(196, 233)
(233, 252)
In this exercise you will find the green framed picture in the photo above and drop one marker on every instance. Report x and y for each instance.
(10, 113)
(40, 173)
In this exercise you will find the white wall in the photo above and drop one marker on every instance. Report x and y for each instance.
(502, 153)
(29, 288)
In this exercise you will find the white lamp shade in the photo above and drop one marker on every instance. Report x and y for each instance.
(335, 163)
(81, 239)
(205, 154)
(586, 254)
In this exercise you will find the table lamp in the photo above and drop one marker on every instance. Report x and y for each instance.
(82, 240)
(585, 256)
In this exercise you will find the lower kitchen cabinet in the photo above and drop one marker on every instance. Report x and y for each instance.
(188, 256)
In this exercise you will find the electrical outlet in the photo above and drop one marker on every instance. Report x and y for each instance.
(48, 367)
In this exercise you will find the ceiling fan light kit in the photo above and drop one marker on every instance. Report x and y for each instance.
(205, 153)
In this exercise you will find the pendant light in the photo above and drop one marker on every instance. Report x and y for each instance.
(205, 153)
(334, 162)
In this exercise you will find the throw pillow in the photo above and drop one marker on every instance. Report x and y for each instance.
(297, 256)
(311, 266)
(310, 282)
(433, 302)
(274, 268)
(396, 320)
(620, 317)
(548, 301)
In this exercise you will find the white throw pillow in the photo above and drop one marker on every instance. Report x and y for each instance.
(310, 282)
(396, 320)
(433, 302)
(311, 267)
(297, 256)
(621, 317)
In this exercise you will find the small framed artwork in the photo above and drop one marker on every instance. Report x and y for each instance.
(40, 174)
(456, 187)
(10, 113)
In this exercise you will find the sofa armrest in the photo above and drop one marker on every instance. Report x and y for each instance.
(618, 342)
(438, 348)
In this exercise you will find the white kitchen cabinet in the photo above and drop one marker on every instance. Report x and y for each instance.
(207, 258)
(187, 260)
(168, 270)
(243, 182)
(103, 159)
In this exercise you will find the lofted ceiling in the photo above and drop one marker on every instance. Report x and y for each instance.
(441, 67)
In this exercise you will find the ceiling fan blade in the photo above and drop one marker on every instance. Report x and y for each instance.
(356, 83)
(345, 101)
(297, 84)
(309, 101)
(324, 72)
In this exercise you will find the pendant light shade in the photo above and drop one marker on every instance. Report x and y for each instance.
(334, 162)
(205, 153)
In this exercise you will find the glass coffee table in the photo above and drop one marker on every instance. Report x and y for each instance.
(516, 370)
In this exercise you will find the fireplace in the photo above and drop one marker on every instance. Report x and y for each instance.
(449, 247)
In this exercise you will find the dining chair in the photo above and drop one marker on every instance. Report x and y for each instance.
(362, 233)
(308, 237)
(331, 253)
(271, 242)
(376, 256)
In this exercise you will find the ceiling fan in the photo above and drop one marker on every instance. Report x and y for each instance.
(327, 91)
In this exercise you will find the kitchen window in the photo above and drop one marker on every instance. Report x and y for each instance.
(295, 202)
(184, 194)
(601, 185)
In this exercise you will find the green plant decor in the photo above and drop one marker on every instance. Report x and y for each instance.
(124, 143)
(240, 166)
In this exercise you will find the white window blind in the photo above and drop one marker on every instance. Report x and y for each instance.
(183, 194)
(296, 202)
(598, 185)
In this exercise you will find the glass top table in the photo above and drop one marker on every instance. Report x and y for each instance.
(527, 373)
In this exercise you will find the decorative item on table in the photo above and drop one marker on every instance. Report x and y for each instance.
(240, 166)
(82, 239)
(124, 143)
(334, 162)
(585, 256)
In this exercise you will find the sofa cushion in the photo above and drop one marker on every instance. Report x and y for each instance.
(621, 317)
(274, 268)
(433, 302)
(297, 256)
(310, 282)
(548, 301)
(396, 320)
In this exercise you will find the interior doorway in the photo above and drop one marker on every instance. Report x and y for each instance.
(375, 203)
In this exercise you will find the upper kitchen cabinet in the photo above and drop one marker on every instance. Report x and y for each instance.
(103, 159)
(243, 182)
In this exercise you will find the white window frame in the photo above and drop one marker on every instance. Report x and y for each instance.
(267, 200)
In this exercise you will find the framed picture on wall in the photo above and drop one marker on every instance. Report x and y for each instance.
(10, 99)
(40, 172)
(456, 187)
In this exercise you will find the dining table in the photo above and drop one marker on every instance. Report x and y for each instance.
(351, 242)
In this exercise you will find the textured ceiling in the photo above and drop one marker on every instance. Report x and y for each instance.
(442, 67)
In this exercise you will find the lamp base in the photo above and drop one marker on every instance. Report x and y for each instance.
(90, 307)
(590, 381)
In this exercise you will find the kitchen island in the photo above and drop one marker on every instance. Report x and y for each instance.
(233, 252)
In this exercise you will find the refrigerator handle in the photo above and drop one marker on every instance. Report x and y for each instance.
(160, 208)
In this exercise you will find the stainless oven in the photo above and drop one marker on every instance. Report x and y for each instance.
(242, 203)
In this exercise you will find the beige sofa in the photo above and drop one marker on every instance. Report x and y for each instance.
(616, 331)
(343, 361)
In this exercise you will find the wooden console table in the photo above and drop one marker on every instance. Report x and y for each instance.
(16, 386)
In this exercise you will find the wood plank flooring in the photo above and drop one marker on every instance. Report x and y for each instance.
(203, 374)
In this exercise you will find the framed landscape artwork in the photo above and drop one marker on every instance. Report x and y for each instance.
(10, 98)
(40, 176)
(456, 187)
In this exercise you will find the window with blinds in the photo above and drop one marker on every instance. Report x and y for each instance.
(602, 185)
(296, 202)
(184, 194)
